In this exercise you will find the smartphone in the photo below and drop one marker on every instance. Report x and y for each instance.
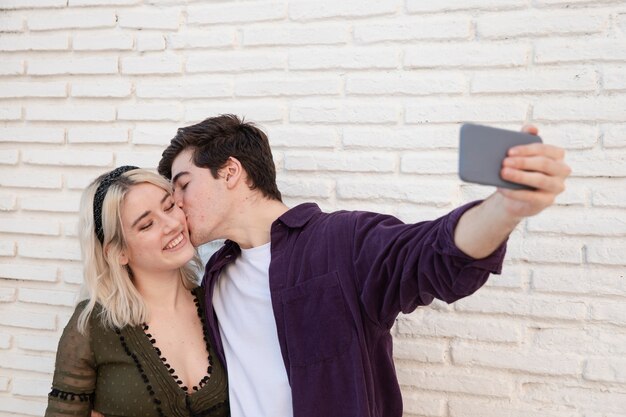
(482, 150)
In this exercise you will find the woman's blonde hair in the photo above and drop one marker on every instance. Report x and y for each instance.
(106, 281)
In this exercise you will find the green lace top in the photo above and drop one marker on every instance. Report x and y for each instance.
(122, 373)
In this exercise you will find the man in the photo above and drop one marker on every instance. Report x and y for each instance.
(301, 302)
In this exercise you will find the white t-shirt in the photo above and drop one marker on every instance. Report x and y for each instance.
(257, 379)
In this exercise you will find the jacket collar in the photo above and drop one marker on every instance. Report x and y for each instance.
(299, 215)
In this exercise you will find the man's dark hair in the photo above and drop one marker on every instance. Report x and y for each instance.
(216, 139)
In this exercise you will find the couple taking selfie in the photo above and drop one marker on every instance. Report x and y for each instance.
(294, 312)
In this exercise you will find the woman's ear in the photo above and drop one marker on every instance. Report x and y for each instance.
(122, 258)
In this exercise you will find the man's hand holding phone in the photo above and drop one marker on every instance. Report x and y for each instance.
(536, 165)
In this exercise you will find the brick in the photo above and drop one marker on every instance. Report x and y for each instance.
(595, 109)
(70, 228)
(185, 89)
(105, 89)
(465, 55)
(72, 274)
(18, 406)
(419, 350)
(513, 277)
(162, 19)
(67, 157)
(11, 67)
(8, 202)
(614, 136)
(344, 58)
(302, 137)
(32, 134)
(153, 134)
(605, 369)
(576, 194)
(432, 324)
(422, 191)
(56, 42)
(66, 203)
(454, 381)
(155, 112)
(46, 273)
(612, 194)
(104, 41)
(557, 51)
(10, 113)
(9, 23)
(455, 110)
(569, 3)
(295, 35)
(77, 3)
(30, 225)
(7, 295)
(287, 86)
(49, 297)
(71, 113)
(420, 6)
(570, 135)
(294, 187)
(611, 312)
(9, 157)
(423, 404)
(535, 81)
(235, 61)
(429, 163)
(73, 66)
(414, 137)
(405, 84)
(326, 161)
(30, 387)
(159, 64)
(407, 30)
(78, 182)
(209, 38)
(597, 164)
(71, 19)
(473, 408)
(588, 281)
(323, 9)
(150, 42)
(32, 4)
(147, 160)
(7, 247)
(5, 343)
(22, 318)
(575, 221)
(33, 89)
(330, 112)
(491, 302)
(52, 249)
(539, 23)
(97, 134)
(593, 398)
(29, 179)
(533, 361)
(258, 11)
(269, 112)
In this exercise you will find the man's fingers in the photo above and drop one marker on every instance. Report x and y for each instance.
(534, 179)
(538, 164)
(538, 149)
(530, 129)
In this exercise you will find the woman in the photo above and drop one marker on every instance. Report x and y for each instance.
(137, 345)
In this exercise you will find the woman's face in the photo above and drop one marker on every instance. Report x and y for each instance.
(157, 239)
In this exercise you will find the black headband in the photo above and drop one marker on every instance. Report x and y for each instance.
(101, 192)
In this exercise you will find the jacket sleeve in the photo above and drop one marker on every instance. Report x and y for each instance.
(74, 378)
(399, 267)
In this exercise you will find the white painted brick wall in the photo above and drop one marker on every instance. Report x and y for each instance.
(362, 102)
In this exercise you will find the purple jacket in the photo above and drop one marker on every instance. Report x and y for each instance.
(338, 281)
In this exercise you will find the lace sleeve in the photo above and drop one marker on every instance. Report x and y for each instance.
(74, 374)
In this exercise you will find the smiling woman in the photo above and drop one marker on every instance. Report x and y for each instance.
(138, 344)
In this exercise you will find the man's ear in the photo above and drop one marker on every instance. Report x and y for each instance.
(232, 172)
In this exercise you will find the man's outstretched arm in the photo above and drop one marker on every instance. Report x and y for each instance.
(483, 228)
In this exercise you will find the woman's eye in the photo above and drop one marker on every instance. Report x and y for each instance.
(145, 226)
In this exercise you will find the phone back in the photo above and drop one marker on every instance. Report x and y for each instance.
(482, 149)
